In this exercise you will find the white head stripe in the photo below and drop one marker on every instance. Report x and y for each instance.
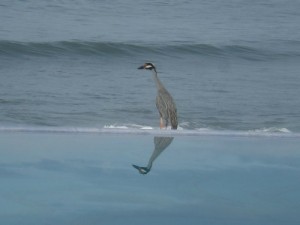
(148, 67)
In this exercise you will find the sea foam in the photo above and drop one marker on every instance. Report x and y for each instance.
(134, 129)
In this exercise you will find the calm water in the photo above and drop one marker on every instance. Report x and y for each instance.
(68, 179)
(230, 65)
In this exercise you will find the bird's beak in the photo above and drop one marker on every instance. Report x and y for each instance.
(141, 67)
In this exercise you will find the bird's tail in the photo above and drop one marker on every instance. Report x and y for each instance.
(173, 120)
(174, 127)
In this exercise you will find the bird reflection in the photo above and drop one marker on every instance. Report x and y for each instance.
(160, 143)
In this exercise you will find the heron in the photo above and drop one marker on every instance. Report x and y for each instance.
(164, 101)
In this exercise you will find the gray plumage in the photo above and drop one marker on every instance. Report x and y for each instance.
(164, 101)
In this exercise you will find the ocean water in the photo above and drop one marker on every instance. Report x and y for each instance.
(68, 179)
(79, 131)
(231, 66)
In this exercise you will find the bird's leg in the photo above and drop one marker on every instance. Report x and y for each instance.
(162, 124)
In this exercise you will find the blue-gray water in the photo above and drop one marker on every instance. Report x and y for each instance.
(230, 65)
(71, 67)
(67, 179)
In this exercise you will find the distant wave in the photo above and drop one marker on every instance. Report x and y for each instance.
(133, 129)
(11, 48)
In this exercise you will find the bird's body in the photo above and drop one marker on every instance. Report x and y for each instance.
(164, 101)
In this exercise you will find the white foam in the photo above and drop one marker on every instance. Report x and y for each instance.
(271, 130)
(148, 130)
(115, 127)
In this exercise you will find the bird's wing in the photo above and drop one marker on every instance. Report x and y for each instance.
(172, 112)
(161, 105)
(173, 117)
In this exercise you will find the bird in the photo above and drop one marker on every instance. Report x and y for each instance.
(164, 101)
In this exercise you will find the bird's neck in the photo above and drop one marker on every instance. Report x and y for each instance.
(158, 83)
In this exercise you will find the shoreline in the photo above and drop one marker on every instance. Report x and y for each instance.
(146, 130)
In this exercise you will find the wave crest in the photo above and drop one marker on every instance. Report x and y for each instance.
(55, 48)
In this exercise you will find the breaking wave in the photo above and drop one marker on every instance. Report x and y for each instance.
(255, 52)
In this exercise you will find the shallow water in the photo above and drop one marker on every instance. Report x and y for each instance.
(89, 178)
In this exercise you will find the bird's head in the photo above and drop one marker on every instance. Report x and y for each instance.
(147, 66)
(142, 170)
